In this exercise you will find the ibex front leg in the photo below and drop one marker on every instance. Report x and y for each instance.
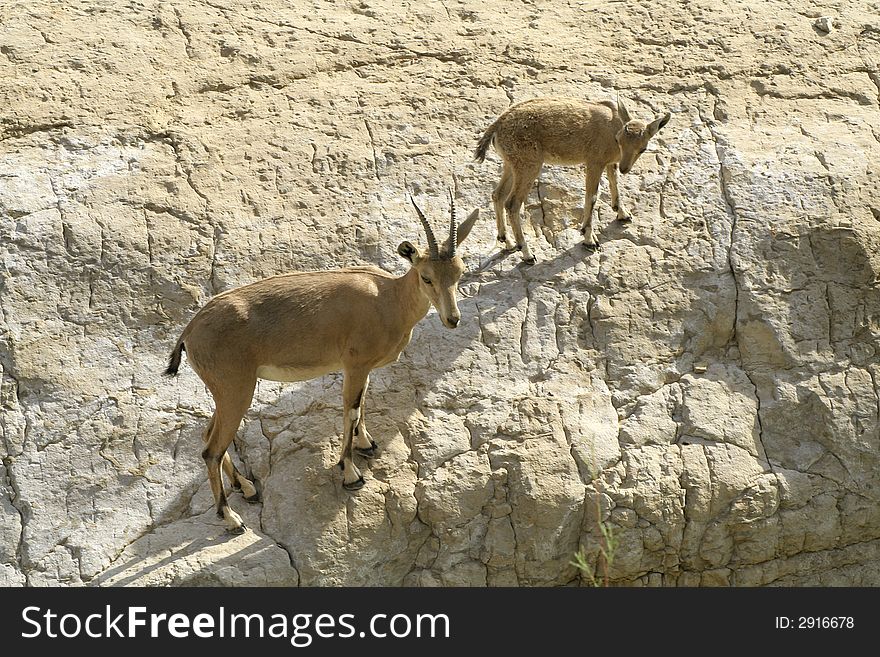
(353, 390)
(363, 441)
(591, 189)
(616, 203)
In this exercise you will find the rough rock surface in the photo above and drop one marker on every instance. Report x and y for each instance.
(705, 385)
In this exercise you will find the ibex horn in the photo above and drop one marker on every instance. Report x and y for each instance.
(453, 226)
(432, 242)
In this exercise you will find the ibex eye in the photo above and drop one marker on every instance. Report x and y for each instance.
(427, 280)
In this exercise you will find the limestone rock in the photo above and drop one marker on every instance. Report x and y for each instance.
(824, 24)
(704, 387)
(198, 552)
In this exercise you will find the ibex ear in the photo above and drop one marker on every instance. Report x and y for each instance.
(621, 110)
(407, 251)
(464, 228)
(654, 126)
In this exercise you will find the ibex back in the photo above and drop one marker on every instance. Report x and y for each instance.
(299, 326)
(567, 131)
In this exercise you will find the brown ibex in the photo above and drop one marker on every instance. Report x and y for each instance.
(565, 131)
(299, 326)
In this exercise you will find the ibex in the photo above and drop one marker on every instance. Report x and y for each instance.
(299, 326)
(564, 131)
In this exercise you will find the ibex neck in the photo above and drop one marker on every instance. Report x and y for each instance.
(415, 302)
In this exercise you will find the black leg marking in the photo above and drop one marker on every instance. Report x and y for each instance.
(222, 502)
(368, 452)
(355, 485)
(357, 402)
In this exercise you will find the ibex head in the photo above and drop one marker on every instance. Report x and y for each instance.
(440, 267)
(634, 136)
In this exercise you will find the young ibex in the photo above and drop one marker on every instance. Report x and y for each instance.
(299, 326)
(564, 131)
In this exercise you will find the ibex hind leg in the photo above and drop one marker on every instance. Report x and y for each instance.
(499, 195)
(231, 407)
(239, 481)
(522, 183)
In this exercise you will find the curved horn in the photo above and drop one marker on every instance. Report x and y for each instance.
(453, 226)
(432, 242)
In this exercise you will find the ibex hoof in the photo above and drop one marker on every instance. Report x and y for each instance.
(253, 499)
(530, 260)
(625, 218)
(368, 452)
(237, 531)
(354, 485)
(591, 246)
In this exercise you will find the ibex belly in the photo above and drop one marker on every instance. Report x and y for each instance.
(274, 373)
(564, 159)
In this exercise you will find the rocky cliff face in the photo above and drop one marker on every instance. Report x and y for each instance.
(705, 385)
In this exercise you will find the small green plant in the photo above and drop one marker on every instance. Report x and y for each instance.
(603, 562)
(605, 559)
